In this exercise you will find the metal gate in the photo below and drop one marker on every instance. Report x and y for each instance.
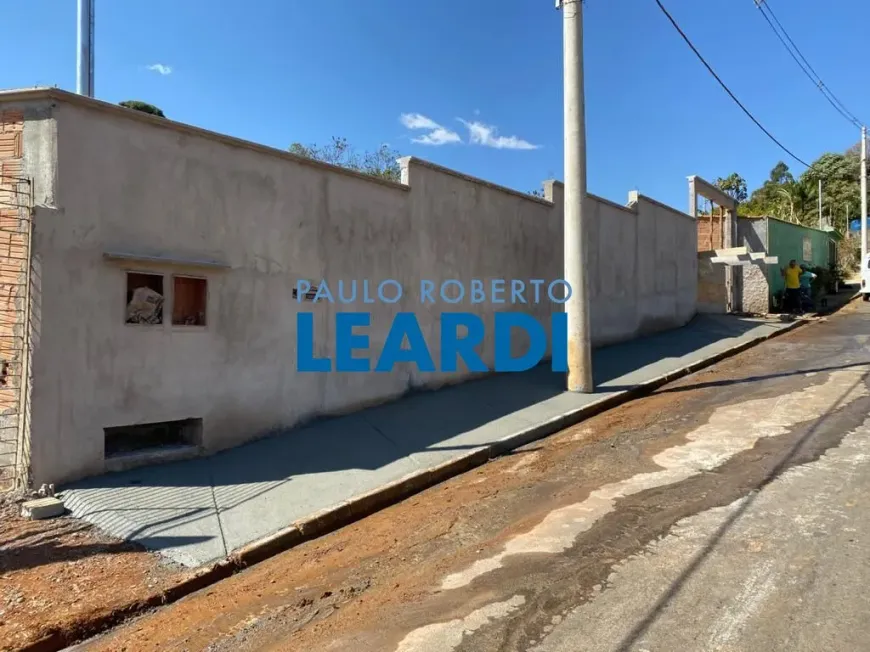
(16, 219)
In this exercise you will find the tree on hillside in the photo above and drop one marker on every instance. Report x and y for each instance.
(144, 107)
(796, 200)
(841, 187)
(793, 199)
(378, 163)
(734, 186)
(780, 196)
(780, 175)
(855, 150)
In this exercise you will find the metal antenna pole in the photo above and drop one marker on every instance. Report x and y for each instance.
(85, 56)
(820, 203)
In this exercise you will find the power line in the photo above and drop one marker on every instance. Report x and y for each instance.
(805, 67)
(851, 115)
(728, 90)
(802, 62)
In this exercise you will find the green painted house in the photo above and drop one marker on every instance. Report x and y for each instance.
(785, 240)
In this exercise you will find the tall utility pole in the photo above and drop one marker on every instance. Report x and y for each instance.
(863, 199)
(820, 203)
(577, 306)
(85, 57)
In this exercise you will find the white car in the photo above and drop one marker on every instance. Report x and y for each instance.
(865, 278)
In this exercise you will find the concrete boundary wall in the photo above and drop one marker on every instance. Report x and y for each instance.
(162, 197)
(712, 294)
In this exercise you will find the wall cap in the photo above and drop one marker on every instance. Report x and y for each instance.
(58, 95)
(406, 161)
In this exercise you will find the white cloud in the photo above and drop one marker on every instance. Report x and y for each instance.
(160, 69)
(437, 135)
(417, 121)
(487, 135)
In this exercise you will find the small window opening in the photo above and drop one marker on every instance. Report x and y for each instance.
(308, 296)
(144, 298)
(123, 440)
(189, 301)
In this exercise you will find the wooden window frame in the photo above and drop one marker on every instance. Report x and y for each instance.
(140, 272)
(191, 327)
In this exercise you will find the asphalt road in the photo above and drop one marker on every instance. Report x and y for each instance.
(729, 511)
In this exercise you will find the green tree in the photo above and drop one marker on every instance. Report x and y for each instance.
(797, 200)
(379, 163)
(780, 175)
(840, 175)
(136, 105)
(734, 186)
(793, 199)
(779, 196)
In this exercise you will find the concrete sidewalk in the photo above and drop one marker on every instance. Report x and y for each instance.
(200, 510)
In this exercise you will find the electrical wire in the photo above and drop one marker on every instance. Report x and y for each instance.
(851, 115)
(728, 90)
(802, 62)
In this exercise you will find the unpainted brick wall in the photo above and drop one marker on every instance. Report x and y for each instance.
(13, 267)
(710, 232)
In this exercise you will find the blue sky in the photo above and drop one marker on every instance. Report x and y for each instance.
(278, 71)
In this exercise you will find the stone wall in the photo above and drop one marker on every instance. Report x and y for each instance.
(755, 284)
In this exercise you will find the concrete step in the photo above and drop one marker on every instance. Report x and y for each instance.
(42, 508)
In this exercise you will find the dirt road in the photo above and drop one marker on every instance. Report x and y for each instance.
(675, 522)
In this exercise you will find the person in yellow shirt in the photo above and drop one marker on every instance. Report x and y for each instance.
(792, 276)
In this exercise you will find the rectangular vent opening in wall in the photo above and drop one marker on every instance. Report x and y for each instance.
(151, 437)
(308, 296)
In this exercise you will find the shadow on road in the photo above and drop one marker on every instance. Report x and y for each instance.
(52, 550)
(640, 630)
(755, 379)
